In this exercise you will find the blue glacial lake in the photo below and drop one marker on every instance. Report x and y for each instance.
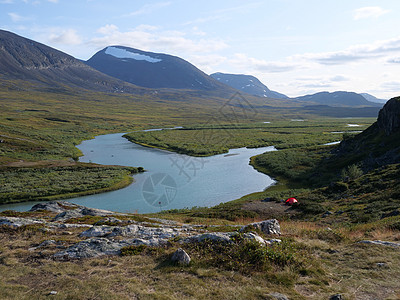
(171, 181)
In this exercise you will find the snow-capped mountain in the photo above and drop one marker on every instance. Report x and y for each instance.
(247, 84)
(46, 67)
(152, 70)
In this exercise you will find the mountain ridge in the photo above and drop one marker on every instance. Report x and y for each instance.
(248, 84)
(151, 70)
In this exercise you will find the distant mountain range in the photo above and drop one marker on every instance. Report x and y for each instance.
(247, 84)
(151, 70)
(371, 98)
(117, 69)
(338, 99)
(45, 67)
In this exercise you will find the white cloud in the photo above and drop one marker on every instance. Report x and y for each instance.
(108, 29)
(149, 8)
(154, 39)
(354, 53)
(6, 1)
(369, 12)
(17, 18)
(68, 37)
(339, 78)
(242, 60)
(53, 1)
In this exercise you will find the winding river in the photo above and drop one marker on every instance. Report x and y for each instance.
(171, 181)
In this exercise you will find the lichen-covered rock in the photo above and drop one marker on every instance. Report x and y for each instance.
(267, 227)
(18, 222)
(92, 247)
(181, 257)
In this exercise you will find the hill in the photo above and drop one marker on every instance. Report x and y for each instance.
(372, 98)
(151, 70)
(379, 144)
(338, 99)
(45, 67)
(247, 84)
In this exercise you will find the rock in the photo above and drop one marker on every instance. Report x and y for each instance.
(66, 215)
(224, 237)
(92, 247)
(389, 116)
(97, 231)
(54, 206)
(18, 222)
(109, 220)
(267, 227)
(336, 297)
(277, 296)
(53, 293)
(382, 243)
(180, 257)
(327, 213)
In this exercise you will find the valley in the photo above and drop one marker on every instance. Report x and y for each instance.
(342, 237)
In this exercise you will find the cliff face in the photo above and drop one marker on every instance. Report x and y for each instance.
(379, 144)
(389, 117)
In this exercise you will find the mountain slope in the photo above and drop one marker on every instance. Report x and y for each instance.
(379, 144)
(151, 70)
(24, 59)
(372, 98)
(247, 84)
(338, 99)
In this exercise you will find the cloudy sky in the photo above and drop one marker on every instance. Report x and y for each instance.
(294, 47)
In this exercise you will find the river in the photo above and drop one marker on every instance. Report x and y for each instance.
(171, 180)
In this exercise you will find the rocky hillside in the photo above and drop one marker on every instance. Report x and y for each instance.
(45, 67)
(380, 143)
(247, 84)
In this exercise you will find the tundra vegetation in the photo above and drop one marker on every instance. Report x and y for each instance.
(340, 204)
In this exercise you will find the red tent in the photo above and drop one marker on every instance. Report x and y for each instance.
(291, 201)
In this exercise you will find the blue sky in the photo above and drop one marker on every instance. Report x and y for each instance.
(294, 47)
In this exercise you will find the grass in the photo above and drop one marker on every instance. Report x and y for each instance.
(55, 182)
(211, 139)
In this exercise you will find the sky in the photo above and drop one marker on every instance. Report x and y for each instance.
(295, 47)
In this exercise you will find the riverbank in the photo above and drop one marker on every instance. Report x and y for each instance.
(50, 180)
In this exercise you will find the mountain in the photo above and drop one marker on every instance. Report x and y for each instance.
(338, 99)
(371, 98)
(248, 84)
(45, 67)
(151, 70)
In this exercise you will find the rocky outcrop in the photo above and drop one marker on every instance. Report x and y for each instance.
(93, 247)
(18, 222)
(267, 227)
(389, 117)
(111, 238)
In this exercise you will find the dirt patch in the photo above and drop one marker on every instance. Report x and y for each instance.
(270, 209)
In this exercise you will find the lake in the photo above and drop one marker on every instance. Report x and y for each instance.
(171, 180)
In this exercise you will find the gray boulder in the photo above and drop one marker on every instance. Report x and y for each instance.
(181, 257)
(92, 247)
(267, 227)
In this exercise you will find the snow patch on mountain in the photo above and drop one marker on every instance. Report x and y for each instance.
(122, 53)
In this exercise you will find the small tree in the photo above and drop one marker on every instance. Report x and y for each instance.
(352, 172)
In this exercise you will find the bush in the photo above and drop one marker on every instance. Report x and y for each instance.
(352, 172)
